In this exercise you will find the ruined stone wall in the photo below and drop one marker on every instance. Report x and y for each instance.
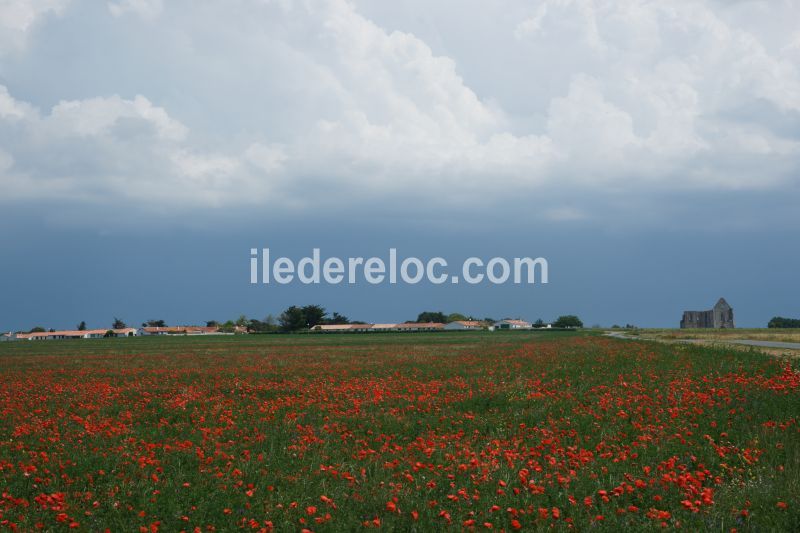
(723, 316)
(697, 319)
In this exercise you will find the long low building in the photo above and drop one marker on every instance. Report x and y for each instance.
(179, 330)
(510, 323)
(465, 325)
(353, 328)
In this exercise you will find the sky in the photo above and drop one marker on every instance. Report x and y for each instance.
(648, 150)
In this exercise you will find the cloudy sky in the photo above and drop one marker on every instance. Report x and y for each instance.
(649, 150)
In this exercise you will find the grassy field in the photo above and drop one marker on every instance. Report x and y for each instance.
(759, 334)
(407, 432)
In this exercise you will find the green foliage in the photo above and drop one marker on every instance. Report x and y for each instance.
(314, 314)
(292, 319)
(37, 329)
(262, 326)
(568, 321)
(338, 319)
(118, 324)
(82, 326)
(781, 322)
(301, 318)
(432, 316)
(154, 324)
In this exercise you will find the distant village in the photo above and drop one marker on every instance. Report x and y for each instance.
(289, 323)
(456, 325)
(314, 319)
(121, 332)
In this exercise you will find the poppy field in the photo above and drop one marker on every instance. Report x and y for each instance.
(407, 432)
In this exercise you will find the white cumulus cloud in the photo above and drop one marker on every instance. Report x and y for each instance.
(18, 17)
(322, 102)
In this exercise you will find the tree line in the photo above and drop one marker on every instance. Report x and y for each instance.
(781, 322)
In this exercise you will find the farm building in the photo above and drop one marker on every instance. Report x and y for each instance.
(186, 330)
(419, 326)
(512, 324)
(342, 328)
(353, 328)
(464, 324)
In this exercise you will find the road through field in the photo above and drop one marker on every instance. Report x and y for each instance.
(744, 342)
(768, 344)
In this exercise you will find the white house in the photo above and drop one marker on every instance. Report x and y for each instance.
(5, 337)
(512, 324)
(464, 324)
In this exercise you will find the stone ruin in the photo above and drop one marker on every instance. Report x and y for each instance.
(721, 316)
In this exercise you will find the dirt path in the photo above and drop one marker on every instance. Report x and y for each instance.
(770, 347)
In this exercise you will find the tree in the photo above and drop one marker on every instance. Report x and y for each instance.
(292, 319)
(242, 321)
(489, 320)
(781, 322)
(268, 325)
(82, 326)
(110, 333)
(118, 324)
(337, 319)
(539, 323)
(456, 317)
(154, 324)
(37, 329)
(314, 314)
(228, 327)
(432, 316)
(212, 324)
(568, 321)
(259, 326)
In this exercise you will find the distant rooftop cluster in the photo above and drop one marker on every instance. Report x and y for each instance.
(430, 326)
(123, 332)
(71, 334)
(462, 325)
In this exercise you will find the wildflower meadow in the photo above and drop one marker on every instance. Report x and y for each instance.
(396, 432)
